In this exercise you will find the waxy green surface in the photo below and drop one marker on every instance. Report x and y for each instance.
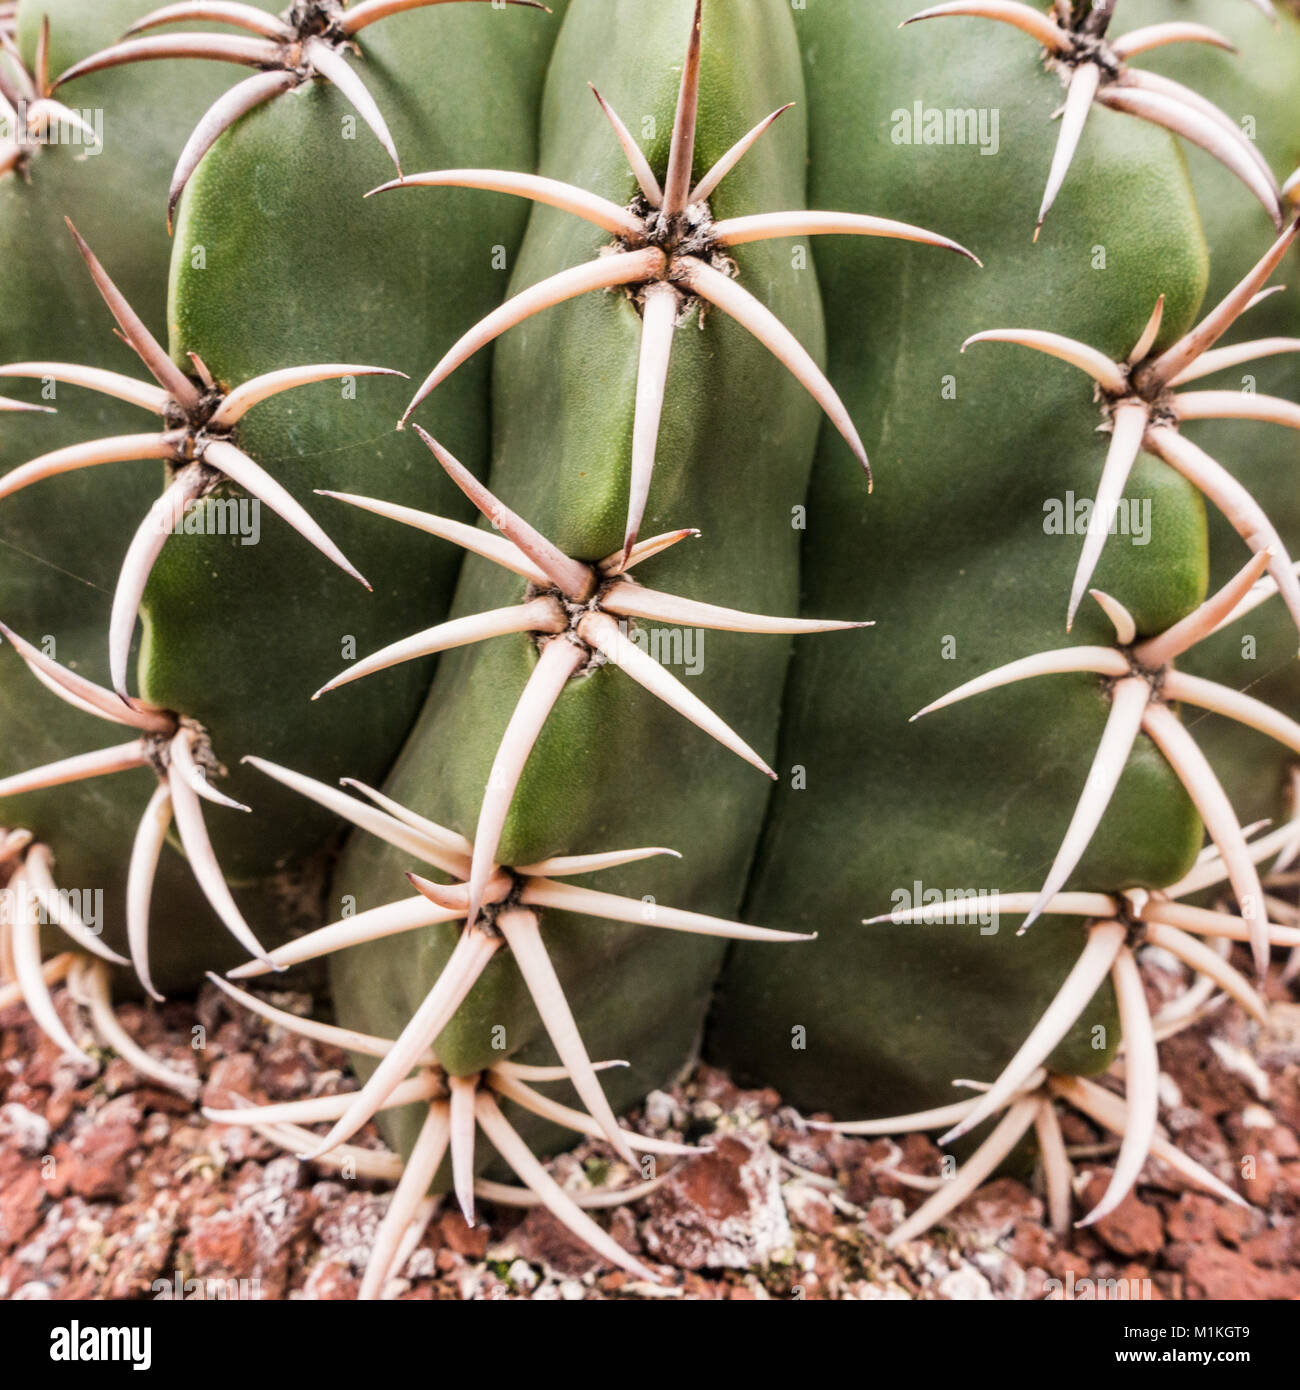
(62, 541)
(614, 768)
(1257, 88)
(951, 556)
(279, 261)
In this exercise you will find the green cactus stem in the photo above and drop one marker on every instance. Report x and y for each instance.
(310, 40)
(671, 256)
(1096, 70)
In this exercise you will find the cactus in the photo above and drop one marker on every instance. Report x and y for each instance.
(650, 420)
(63, 541)
(578, 793)
(185, 665)
(1096, 69)
(1255, 89)
(919, 1039)
(311, 40)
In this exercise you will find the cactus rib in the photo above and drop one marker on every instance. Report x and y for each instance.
(509, 918)
(1139, 679)
(309, 40)
(584, 613)
(1095, 70)
(667, 253)
(1142, 410)
(197, 445)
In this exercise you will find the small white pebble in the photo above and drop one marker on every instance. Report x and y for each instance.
(34, 1292)
(890, 1209)
(157, 1127)
(281, 1174)
(870, 1293)
(27, 1131)
(965, 1285)
(659, 1109)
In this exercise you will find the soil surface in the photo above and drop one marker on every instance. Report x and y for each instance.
(119, 1189)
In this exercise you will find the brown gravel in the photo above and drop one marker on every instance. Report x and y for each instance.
(118, 1189)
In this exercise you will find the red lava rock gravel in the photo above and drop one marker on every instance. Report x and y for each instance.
(114, 1188)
